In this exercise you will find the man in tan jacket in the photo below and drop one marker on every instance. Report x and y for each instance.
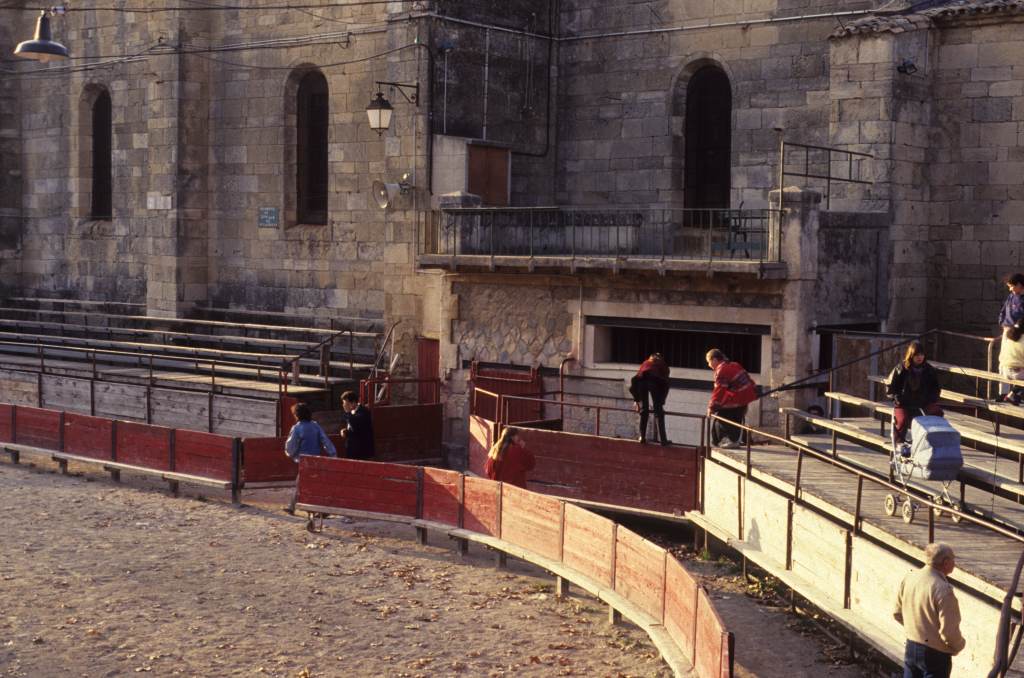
(927, 608)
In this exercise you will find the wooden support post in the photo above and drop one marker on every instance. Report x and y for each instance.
(500, 560)
(463, 546)
(63, 464)
(614, 616)
(421, 536)
(115, 474)
(236, 471)
(561, 588)
(15, 455)
(173, 486)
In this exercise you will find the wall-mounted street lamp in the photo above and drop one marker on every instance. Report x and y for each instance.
(379, 111)
(42, 47)
(906, 67)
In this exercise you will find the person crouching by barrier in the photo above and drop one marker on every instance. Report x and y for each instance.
(1011, 362)
(306, 437)
(649, 386)
(358, 430)
(734, 390)
(913, 386)
(508, 459)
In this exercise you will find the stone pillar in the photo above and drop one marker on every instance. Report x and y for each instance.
(799, 249)
(177, 195)
(10, 172)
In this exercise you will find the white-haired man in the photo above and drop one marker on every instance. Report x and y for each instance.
(926, 606)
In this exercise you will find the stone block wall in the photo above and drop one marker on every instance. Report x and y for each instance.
(622, 103)
(976, 171)
(10, 170)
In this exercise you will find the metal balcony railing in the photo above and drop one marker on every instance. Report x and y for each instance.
(623, 234)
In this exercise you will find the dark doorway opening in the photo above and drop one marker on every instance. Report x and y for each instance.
(708, 140)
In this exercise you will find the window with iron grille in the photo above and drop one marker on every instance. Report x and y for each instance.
(102, 167)
(312, 137)
(683, 344)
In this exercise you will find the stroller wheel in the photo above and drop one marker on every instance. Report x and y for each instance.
(954, 517)
(890, 505)
(937, 499)
(908, 511)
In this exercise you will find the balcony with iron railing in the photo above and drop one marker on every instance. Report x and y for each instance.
(662, 240)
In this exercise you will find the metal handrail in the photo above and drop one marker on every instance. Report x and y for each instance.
(383, 347)
(829, 177)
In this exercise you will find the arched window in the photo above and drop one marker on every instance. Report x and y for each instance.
(707, 167)
(102, 148)
(311, 152)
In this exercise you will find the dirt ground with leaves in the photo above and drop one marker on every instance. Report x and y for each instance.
(101, 579)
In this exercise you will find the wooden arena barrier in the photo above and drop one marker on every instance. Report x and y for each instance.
(38, 428)
(87, 436)
(264, 461)
(174, 455)
(635, 577)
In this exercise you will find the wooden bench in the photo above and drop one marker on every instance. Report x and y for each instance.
(1008, 440)
(114, 468)
(973, 472)
(957, 398)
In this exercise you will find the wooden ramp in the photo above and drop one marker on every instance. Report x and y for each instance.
(802, 520)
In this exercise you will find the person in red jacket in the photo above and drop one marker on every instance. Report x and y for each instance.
(734, 390)
(508, 459)
(650, 386)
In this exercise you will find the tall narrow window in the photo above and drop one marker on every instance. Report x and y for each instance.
(102, 137)
(311, 175)
(708, 139)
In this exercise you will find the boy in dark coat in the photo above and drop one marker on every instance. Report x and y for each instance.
(358, 431)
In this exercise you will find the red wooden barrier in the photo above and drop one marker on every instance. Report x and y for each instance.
(87, 436)
(37, 427)
(363, 486)
(680, 606)
(588, 543)
(640, 572)
(406, 432)
(6, 423)
(481, 437)
(264, 461)
(203, 454)
(144, 445)
(532, 521)
(712, 655)
(442, 496)
(481, 506)
(507, 382)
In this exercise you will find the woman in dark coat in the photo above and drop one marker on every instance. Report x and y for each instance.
(913, 386)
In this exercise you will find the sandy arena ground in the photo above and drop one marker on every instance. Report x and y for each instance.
(100, 579)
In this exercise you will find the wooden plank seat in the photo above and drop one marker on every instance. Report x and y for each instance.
(976, 373)
(980, 469)
(15, 450)
(618, 604)
(957, 398)
(1006, 440)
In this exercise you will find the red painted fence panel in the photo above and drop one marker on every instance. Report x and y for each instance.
(144, 445)
(6, 423)
(614, 470)
(264, 461)
(203, 454)
(527, 382)
(407, 432)
(481, 437)
(87, 436)
(359, 485)
(640, 572)
(588, 543)
(442, 495)
(532, 521)
(481, 506)
(680, 606)
(711, 638)
(37, 427)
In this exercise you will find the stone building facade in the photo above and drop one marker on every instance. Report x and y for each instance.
(617, 105)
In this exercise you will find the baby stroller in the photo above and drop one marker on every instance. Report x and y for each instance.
(932, 452)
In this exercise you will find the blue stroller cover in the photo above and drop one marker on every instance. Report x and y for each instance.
(935, 451)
